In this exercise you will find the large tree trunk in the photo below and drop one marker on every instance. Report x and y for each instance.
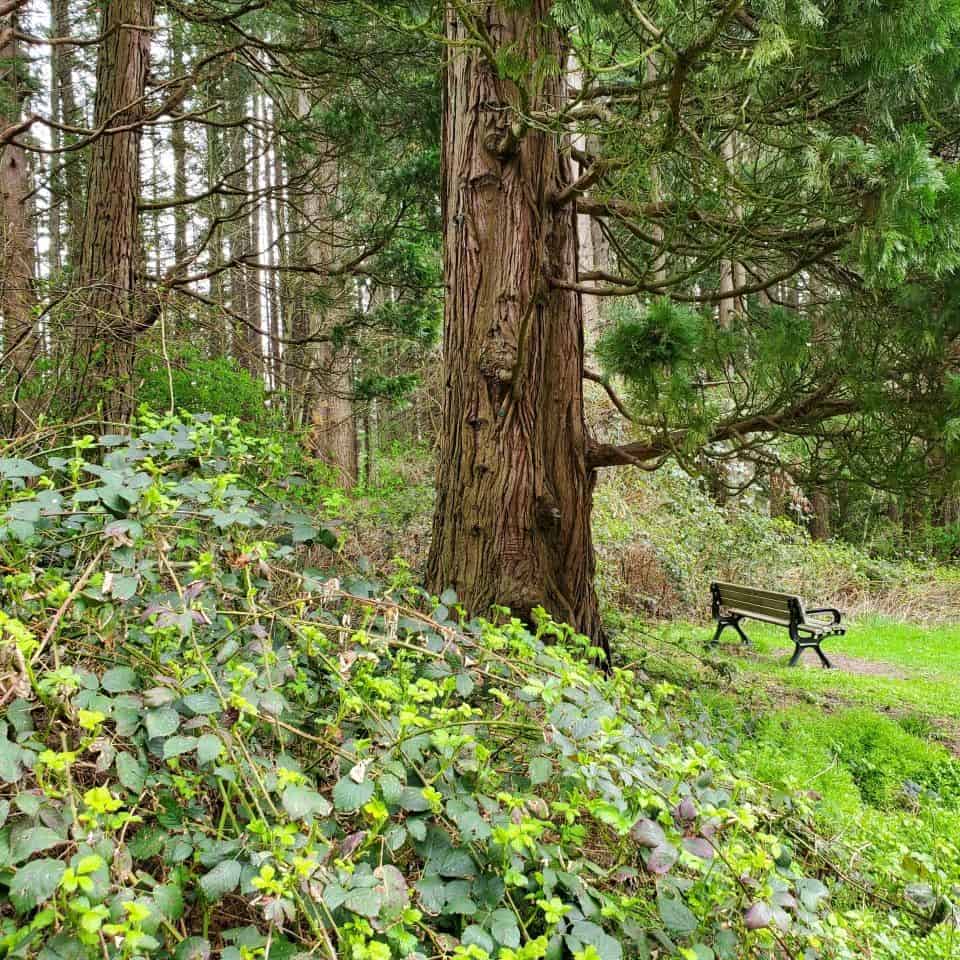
(110, 314)
(333, 427)
(16, 237)
(514, 495)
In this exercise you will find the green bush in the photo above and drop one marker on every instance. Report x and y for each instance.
(217, 386)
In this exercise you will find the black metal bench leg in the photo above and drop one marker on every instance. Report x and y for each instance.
(736, 626)
(823, 658)
(721, 626)
(795, 659)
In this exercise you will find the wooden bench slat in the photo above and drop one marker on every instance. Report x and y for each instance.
(779, 609)
(754, 615)
(734, 588)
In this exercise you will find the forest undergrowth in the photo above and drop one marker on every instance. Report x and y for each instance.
(224, 733)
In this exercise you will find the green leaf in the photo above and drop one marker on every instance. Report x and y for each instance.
(209, 748)
(593, 935)
(147, 842)
(393, 890)
(130, 772)
(14, 468)
(203, 704)
(349, 795)
(169, 901)
(162, 722)
(34, 883)
(178, 745)
(11, 761)
(123, 588)
(119, 680)
(366, 901)
(334, 895)
(503, 926)
(302, 803)
(676, 915)
(221, 880)
(541, 770)
(478, 937)
(193, 948)
(29, 842)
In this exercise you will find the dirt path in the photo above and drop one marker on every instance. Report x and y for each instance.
(856, 665)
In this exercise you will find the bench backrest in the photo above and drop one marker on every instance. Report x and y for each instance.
(780, 608)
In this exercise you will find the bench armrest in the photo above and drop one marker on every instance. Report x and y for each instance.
(833, 610)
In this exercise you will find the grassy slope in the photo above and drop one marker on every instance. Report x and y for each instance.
(866, 743)
(924, 665)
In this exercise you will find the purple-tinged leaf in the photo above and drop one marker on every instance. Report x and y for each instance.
(699, 847)
(351, 843)
(193, 590)
(648, 833)
(757, 916)
(662, 859)
(685, 810)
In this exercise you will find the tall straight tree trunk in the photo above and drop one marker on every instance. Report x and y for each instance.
(216, 337)
(111, 313)
(178, 143)
(68, 182)
(16, 237)
(514, 494)
(271, 224)
(251, 274)
(333, 427)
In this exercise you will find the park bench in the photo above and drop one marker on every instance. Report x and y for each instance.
(733, 602)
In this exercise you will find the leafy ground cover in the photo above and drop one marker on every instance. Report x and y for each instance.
(221, 736)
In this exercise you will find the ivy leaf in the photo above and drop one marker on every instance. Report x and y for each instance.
(364, 900)
(675, 914)
(209, 748)
(811, 892)
(648, 833)
(31, 841)
(162, 722)
(349, 796)
(662, 859)
(119, 680)
(130, 773)
(178, 745)
(14, 468)
(698, 847)
(221, 880)
(34, 883)
(757, 916)
(302, 803)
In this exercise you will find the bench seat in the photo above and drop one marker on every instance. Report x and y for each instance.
(733, 602)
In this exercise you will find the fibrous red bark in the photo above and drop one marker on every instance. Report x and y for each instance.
(514, 491)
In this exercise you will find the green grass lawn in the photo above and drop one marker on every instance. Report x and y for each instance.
(924, 664)
(874, 742)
